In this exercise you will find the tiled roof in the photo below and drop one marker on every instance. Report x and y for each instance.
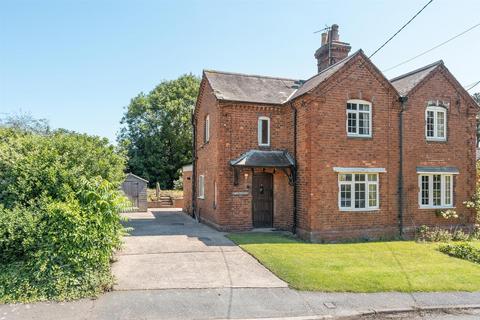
(270, 90)
(314, 81)
(406, 82)
(250, 88)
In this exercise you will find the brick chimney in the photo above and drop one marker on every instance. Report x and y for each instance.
(332, 49)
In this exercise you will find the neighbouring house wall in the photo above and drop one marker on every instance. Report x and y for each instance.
(323, 145)
(238, 134)
(187, 191)
(458, 151)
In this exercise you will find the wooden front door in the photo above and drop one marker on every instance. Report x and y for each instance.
(262, 198)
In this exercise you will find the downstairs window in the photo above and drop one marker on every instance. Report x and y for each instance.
(358, 191)
(436, 191)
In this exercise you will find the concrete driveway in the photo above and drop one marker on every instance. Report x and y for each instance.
(169, 250)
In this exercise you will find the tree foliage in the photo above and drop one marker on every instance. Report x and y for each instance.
(59, 214)
(476, 97)
(25, 122)
(156, 130)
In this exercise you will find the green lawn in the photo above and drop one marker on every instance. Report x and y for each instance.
(403, 266)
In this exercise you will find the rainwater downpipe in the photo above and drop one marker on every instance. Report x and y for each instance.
(294, 225)
(194, 167)
(403, 101)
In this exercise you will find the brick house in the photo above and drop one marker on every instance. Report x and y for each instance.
(345, 154)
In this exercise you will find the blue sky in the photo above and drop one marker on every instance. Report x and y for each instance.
(78, 63)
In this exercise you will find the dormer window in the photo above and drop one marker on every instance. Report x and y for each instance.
(436, 122)
(359, 118)
(264, 131)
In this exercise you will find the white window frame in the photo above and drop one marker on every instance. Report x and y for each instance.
(201, 186)
(436, 110)
(357, 112)
(259, 131)
(207, 128)
(430, 204)
(352, 191)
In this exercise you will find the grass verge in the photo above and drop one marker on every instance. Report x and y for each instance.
(403, 266)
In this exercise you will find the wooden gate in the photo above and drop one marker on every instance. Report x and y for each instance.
(262, 198)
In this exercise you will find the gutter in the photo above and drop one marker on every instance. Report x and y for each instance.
(194, 167)
(403, 101)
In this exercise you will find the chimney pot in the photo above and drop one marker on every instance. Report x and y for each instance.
(324, 38)
(334, 29)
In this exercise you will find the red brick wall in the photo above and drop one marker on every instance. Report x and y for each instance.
(324, 144)
(238, 131)
(207, 153)
(458, 151)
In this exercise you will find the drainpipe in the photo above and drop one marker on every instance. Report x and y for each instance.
(294, 225)
(194, 166)
(403, 102)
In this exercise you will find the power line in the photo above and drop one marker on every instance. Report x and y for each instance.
(406, 24)
(431, 49)
(383, 45)
(476, 84)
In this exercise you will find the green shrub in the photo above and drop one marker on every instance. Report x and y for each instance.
(459, 235)
(59, 215)
(436, 234)
(462, 251)
(33, 165)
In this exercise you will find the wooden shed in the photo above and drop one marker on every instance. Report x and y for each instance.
(135, 188)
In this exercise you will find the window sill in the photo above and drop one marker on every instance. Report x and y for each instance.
(435, 140)
(264, 145)
(436, 208)
(360, 210)
(202, 198)
(359, 137)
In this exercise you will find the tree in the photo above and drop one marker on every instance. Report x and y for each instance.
(476, 97)
(25, 122)
(156, 131)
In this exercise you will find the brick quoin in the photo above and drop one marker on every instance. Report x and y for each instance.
(322, 143)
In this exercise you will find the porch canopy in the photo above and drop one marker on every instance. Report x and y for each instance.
(265, 159)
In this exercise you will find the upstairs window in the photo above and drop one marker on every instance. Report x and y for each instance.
(207, 129)
(436, 123)
(264, 131)
(359, 118)
(358, 191)
(436, 190)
